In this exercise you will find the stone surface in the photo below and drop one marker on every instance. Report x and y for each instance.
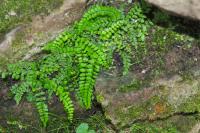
(26, 39)
(187, 8)
(195, 129)
(141, 97)
(165, 97)
(174, 124)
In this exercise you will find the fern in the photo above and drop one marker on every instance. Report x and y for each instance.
(67, 102)
(88, 55)
(40, 102)
(96, 12)
(76, 57)
(107, 33)
(126, 62)
(19, 90)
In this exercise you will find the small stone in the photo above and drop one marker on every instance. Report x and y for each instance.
(187, 8)
(12, 13)
(144, 71)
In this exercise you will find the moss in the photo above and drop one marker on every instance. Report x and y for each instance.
(3, 61)
(150, 109)
(187, 76)
(19, 46)
(163, 39)
(16, 12)
(152, 128)
(100, 98)
(192, 104)
(133, 86)
(185, 123)
(158, 44)
(174, 124)
(14, 52)
(161, 17)
(157, 106)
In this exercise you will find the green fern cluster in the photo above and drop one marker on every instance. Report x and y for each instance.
(37, 79)
(76, 57)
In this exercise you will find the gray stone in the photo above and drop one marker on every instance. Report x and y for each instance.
(187, 8)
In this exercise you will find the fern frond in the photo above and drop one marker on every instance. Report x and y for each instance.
(19, 90)
(98, 11)
(19, 70)
(107, 33)
(66, 100)
(42, 108)
(126, 58)
(139, 22)
(86, 81)
(60, 43)
(90, 58)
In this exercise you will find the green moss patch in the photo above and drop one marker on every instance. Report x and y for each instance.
(174, 124)
(15, 12)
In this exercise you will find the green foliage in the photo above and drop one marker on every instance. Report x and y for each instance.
(136, 84)
(41, 106)
(146, 7)
(161, 17)
(65, 99)
(84, 128)
(37, 79)
(76, 57)
(151, 128)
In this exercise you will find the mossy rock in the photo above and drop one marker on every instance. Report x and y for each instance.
(17, 12)
(176, 124)
(145, 96)
(31, 24)
(166, 97)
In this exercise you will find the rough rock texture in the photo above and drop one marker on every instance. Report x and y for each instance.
(187, 8)
(165, 97)
(26, 39)
(166, 101)
(174, 124)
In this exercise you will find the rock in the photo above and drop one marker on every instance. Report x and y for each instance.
(195, 129)
(142, 98)
(12, 13)
(174, 124)
(187, 8)
(165, 97)
(27, 39)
